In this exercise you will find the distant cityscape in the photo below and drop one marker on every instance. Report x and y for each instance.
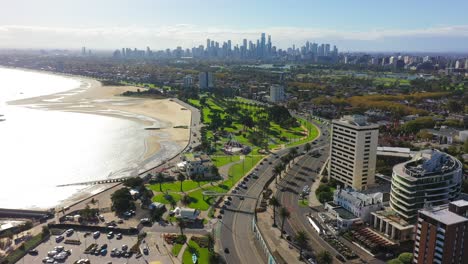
(261, 49)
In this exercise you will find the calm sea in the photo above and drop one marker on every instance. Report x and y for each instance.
(40, 149)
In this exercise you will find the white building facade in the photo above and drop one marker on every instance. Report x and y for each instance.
(359, 204)
(353, 152)
(276, 93)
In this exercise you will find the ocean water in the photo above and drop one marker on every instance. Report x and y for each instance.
(40, 149)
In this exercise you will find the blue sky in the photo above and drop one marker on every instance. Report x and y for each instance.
(411, 25)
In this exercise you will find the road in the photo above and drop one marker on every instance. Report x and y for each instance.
(301, 174)
(236, 230)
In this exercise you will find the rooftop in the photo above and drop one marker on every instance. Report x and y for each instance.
(460, 203)
(345, 214)
(427, 163)
(443, 215)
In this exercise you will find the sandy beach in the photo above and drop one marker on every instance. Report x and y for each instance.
(94, 98)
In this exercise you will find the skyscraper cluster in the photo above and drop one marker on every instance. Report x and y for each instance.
(260, 49)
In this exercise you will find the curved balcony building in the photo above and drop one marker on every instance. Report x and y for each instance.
(431, 178)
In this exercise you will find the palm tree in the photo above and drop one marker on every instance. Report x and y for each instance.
(160, 178)
(277, 170)
(285, 214)
(302, 241)
(185, 199)
(307, 147)
(293, 152)
(182, 225)
(275, 203)
(181, 178)
(209, 237)
(173, 203)
(324, 257)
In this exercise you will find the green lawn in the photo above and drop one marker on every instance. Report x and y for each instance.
(161, 198)
(176, 249)
(220, 161)
(187, 185)
(313, 133)
(202, 253)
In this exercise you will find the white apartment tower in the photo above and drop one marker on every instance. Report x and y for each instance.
(353, 152)
(276, 93)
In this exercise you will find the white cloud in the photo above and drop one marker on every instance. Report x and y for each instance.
(187, 35)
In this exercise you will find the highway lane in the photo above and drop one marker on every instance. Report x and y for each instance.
(301, 174)
(236, 229)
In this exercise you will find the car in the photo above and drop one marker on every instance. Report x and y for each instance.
(221, 211)
(59, 248)
(33, 252)
(255, 176)
(59, 238)
(103, 252)
(145, 251)
(119, 236)
(124, 247)
(227, 202)
(229, 198)
(241, 197)
(237, 187)
(69, 232)
(110, 235)
(96, 234)
(104, 246)
(52, 253)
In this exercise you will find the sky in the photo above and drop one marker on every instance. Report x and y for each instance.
(352, 25)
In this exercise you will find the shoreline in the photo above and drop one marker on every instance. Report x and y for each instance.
(91, 97)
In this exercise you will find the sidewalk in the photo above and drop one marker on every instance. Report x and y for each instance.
(313, 201)
(271, 236)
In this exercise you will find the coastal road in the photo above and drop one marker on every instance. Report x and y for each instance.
(236, 226)
(301, 174)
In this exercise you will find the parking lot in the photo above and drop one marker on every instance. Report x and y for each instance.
(77, 251)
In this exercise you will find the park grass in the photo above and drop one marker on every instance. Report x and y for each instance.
(187, 185)
(313, 133)
(176, 249)
(193, 247)
(161, 198)
(220, 161)
(236, 172)
(303, 203)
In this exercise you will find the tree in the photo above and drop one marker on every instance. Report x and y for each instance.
(302, 241)
(160, 179)
(182, 225)
(173, 203)
(405, 258)
(307, 147)
(275, 203)
(122, 200)
(134, 182)
(211, 241)
(293, 152)
(277, 170)
(185, 199)
(45, 231)
(285, 214)
(181, 178)
(324, 257)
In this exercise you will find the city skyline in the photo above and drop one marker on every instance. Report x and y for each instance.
(363, 27)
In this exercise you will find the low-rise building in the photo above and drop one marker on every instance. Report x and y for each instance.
(187, 214)
(197, 166)
(390, 224)
(359, 204)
